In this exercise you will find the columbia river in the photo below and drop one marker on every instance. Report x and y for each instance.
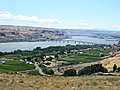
(11, 46)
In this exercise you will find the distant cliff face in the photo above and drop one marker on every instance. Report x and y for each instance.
(24, 33)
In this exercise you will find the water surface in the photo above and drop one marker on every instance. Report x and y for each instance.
(11, 46)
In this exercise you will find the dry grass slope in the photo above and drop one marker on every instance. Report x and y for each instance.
(22, 82)
(108, 63)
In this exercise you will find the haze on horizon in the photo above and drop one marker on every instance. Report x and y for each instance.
(67, 14)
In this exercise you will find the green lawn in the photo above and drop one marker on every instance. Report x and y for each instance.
(14, 66)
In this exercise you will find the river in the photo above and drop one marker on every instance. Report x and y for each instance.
(11, 46)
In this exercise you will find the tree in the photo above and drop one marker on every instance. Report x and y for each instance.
(118, 68)
(114, 67)
(70, 72)
(49, 59)
(56, 56)
(48, 71)
(29, 58)
(92, 69)
(58, 69)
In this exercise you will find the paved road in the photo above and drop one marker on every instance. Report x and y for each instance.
(39, 69)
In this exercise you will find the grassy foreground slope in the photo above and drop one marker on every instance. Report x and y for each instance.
(20, 82)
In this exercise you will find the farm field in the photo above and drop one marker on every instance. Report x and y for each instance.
(86, 56)
(15, 66)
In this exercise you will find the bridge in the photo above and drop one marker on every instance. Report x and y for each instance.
(72, 41)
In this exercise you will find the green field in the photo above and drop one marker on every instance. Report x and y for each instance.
(89, 55)
(79, 58)
(14, 66)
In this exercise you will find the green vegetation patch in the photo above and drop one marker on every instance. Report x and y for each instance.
(80, 58)
(14, 66)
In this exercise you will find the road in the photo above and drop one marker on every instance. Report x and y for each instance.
(79, 66)
(38, 68)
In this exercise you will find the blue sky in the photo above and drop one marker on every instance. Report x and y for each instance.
(78, 14)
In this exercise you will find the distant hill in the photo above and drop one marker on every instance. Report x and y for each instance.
(9, 33)
(94, 33)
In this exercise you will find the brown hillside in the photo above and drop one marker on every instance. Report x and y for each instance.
(108, 63)
(24, 33)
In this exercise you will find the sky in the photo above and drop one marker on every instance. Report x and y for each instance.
(66, 14)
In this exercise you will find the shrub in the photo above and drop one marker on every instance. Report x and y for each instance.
(92, 69)
(114, 67)
(119, 68)
(49, 59)
(48, 71)
(70, 72)
(42, 66)
(117, 71)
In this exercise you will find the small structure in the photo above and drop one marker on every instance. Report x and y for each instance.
(2, 62)
(29, 63)
(50, 56)
(79, 52)
(21, 60)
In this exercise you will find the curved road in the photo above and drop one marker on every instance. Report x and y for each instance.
(39, 69)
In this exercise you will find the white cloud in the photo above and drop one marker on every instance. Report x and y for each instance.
(10, 19)
(9, 16)
(40, 21)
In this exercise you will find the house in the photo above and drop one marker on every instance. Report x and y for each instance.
(50, 56)
(21, 60)
(29, 63)
(2, 62)
(79, 52)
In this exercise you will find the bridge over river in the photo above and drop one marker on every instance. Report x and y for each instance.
(72, 41)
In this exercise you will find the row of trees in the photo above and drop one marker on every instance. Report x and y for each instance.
(86, 70)
(90, 70)
(59, 49)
